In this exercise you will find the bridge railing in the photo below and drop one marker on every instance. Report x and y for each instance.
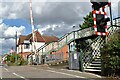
(66, 39)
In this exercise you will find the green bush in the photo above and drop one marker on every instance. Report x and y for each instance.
(15, 60)
(111, 56)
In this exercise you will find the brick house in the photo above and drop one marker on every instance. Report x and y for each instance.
(24, 45)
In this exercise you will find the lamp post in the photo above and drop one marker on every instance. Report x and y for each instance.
(16, 42)
(16, 46)
(110, 13)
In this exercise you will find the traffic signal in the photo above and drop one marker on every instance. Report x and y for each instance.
(100, 22)
(97, 4)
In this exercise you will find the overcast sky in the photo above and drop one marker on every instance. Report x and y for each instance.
(50, 18)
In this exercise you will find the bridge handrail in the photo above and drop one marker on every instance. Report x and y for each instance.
(64, 36)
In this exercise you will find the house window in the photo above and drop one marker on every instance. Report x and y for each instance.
(26, 46)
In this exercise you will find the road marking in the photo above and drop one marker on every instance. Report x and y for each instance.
(71, 70)
(19, 76)
(65, 74)
(95, 75)
(50, 68)
(6, 69)
(81, 72)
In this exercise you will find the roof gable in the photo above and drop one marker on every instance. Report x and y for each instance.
(38, 38)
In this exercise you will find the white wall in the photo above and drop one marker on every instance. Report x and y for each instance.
(38, 45)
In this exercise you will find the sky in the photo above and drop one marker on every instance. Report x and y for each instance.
(51, 17)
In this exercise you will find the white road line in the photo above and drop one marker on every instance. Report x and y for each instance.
(6, 69)
(19, 76)
(65, 74)
(62, 69)
(74, 71)
(71, 70)
(81, 72)
(50, 68)
(95, 75)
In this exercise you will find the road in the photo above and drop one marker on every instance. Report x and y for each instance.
(37, 72)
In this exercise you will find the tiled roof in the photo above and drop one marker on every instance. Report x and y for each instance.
(21, 39)
(38, 38)
(50, 38)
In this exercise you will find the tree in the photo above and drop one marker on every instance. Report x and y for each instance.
(88, 21)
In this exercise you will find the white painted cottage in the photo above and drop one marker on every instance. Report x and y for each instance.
(24, 46)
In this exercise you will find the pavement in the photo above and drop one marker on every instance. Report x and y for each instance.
(43, 72)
